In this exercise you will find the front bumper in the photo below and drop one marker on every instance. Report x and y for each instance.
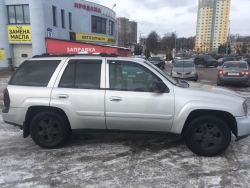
(185, 76)
(212, 63)
(243, 127)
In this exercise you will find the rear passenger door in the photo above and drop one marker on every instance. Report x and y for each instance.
(79, 91)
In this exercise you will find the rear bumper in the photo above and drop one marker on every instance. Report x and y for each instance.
(243, 127)
(243, 79)
(14, 116)
(17, 125)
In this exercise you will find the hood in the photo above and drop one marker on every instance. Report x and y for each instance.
(154, 61)
(183, 69)
(213, 89)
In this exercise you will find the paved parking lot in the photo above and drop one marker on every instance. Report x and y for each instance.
(120, 160)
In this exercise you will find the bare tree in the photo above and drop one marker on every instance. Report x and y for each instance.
(152, 42)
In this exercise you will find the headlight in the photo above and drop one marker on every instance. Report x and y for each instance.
(245, 108)
(173, 72)
(193, 72)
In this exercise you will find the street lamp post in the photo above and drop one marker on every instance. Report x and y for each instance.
(175, 43)
(113, 6)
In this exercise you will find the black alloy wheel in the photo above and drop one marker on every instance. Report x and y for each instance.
(208, 136)
(49, 130)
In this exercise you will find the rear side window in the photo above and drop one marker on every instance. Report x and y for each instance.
(82, 74)
(34, 73)
(235, 65)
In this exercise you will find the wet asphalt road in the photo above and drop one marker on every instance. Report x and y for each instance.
(120, 160)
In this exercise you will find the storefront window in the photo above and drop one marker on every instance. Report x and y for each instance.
(11, 11)
(98, 25)
(111, 28)
(26, 11)
(19, 14)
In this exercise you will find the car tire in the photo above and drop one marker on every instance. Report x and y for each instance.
(205, 65)
(207, 136)
(218, 83)
(196, 79)
(49, 130)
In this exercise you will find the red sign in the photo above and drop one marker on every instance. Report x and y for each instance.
(65, 47)
(87, 7)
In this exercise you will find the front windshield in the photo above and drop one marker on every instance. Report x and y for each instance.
(235, 65)
(165, 75)
(154, 58)
(184, 64)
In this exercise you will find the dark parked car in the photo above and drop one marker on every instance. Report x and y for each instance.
(234, 72)
(247, 60)
(221, 61)
(205, 60)
(158, 61)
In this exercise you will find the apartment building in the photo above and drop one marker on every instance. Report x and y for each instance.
(127, 31)
(213, 24)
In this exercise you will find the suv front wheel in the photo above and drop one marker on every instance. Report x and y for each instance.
(207, 136)
(49, 130)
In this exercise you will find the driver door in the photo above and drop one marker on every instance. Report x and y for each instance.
(130, 104)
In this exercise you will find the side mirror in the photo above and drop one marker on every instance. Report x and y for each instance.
(159, 87)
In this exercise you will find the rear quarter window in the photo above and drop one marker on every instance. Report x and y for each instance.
(34, 73)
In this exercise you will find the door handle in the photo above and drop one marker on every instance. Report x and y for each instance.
(62, 96)
(115, 99)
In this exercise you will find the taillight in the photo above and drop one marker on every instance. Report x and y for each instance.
(245, 73)
(222, 72)
(6, 98)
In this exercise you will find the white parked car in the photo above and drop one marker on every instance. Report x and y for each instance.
(51, 96)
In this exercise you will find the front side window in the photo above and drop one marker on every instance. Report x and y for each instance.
(18, 14)
(82, 74)
(98, 25)
(129, 76)
(34, 73)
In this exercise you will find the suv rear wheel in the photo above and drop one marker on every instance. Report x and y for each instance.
(49, 130)
(207, 136)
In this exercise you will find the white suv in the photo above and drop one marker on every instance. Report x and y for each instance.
(51, 96)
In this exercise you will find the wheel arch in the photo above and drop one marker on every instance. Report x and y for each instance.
(33, 110)
(226, 116)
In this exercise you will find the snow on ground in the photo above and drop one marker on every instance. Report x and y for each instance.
(107, 160)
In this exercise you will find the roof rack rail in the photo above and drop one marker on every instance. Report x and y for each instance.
(80, 54)
(102, 54)
(52, 55)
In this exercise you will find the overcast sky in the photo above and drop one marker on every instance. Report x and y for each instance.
(174, 15)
